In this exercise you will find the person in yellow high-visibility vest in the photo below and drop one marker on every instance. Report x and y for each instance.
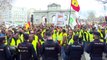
(54, 35)
(34, 40)
(91, 36)
(4, 50)
(70, 37)
(8, 37)
(14, 42)
(102, 34)
(106, 35)
(59, 37)
(64, 41)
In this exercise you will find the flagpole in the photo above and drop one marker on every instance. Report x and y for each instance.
(69, 13)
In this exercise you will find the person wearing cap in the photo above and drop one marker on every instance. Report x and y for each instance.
(96, 48)
(26, 50)
(4, 50)
(64, 43)
(50, 47)
(74, 51)
(33, 39)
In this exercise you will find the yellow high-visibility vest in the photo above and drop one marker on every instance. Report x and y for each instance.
(101, 35)
(64, 34)
(87, 36)
(6, 41)
(91, 37)
(43, 32)
(21, 37)
(71, 42)
(54, 37)
(12, 43)
(35, 42)
(80, 33)
(59, 36)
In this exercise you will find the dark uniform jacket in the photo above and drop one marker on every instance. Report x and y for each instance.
(5, 52)
(96, 49)
(26, 51)
(74, 51)
(50, 50)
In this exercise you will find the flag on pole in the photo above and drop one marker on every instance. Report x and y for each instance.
(27, 25)
(75, 5)
(71, 20)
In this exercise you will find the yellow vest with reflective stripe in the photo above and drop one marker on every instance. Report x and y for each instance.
(21, 37)
(80, 33)
(59, 36)
(6, 41)
(91, 37)
(43, 32)
(101, 40)
(35, 42)
(54, 36)
(12, 43)
(71, 42)
(87, 36)
(101, 35)
(105, 31)
(65, 34)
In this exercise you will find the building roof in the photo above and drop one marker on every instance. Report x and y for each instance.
(54, 5)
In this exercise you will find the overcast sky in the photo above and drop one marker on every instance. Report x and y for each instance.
(85, 5)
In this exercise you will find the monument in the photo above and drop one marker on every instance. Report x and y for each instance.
(50, 14)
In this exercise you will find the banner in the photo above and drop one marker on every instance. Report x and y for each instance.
(60, 20)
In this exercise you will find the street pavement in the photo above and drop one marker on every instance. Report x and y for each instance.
(85, 56)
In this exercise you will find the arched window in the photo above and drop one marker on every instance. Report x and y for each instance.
(53, 18)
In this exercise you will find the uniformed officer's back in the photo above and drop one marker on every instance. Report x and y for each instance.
(26, 50)
(96, 48)
(4, 50)
(74, 51)
(50, 49)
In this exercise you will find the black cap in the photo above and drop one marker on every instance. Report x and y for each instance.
(76, 37)
(26, 36)
(97, 33)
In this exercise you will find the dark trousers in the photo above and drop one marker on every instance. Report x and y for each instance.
(96, 58)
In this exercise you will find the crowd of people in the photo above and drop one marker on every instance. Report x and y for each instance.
(50, 42)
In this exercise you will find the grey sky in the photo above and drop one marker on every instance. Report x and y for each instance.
(85, 5)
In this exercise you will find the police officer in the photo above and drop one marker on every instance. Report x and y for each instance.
(26, 50)
(96, 48)
(74, 51)
(50, 49)
(4, 50)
